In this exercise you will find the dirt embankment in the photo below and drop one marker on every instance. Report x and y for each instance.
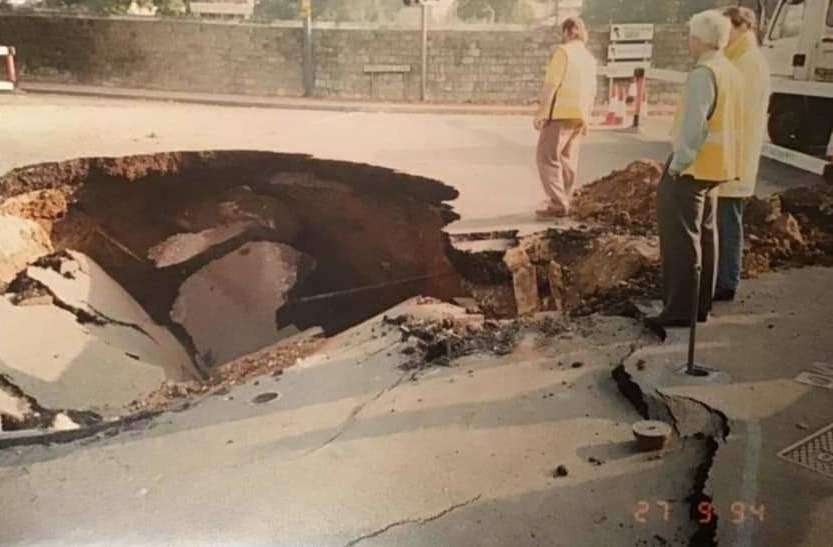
(614, 256)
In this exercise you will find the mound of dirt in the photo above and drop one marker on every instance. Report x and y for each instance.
(625, 198)
(792, 229)
(602, 267)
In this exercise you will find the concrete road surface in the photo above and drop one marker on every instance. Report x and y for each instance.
(356, 451)
(489, 159)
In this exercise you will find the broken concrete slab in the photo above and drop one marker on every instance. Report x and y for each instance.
(614, 260)
(22, 242)
(183, 247)
(228, 307)
(76, 282)
(524, 281)
(480, 437)
(75, 366)
(100, 352)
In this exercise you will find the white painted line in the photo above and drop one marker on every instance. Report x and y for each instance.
(749, 485)
(804, 162)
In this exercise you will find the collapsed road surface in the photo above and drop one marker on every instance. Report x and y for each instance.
(426, 424)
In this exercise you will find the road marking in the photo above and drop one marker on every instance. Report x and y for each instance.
(749, 486)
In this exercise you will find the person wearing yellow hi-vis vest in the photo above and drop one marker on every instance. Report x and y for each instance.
(563, 114)
(744, 53)
(707, 152)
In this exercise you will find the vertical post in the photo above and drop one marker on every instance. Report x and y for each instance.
(691, 368)
(309, 70)
(639, 75)
(10, 68)
(424, 79)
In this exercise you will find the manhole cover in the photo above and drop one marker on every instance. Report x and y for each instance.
(814, 452)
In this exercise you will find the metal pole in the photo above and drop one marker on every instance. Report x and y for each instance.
(309, 71)
(424, 81)
(639, 75)
(691, 368)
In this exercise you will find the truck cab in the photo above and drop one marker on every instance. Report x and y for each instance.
(798, 45)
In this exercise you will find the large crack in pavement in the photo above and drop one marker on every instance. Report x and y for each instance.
(418, 521)
(354, 413)
(691, 419)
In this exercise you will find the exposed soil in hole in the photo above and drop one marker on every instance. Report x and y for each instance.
(614, 257)
(228, 251)
(234, 251)
(361, 225)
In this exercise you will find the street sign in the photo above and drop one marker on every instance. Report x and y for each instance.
(622, 52)
(632, 33)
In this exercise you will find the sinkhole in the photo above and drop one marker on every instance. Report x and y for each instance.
(218, 254)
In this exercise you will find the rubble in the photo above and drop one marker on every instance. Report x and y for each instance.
(614, 258)
(438, 342)
(272, 361)
(574, 271)
(22, 241)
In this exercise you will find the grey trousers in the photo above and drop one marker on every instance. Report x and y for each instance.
(687, 215)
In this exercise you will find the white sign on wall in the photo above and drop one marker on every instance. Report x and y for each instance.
(632, 33)
(622, 52)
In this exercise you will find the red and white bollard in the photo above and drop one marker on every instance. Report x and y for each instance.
(11, 72)
(621, 109)
(641, 96)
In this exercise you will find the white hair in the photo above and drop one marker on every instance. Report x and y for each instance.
(711, 28)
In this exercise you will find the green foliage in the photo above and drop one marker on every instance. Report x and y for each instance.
(116, 7)
(271, 10)
(644, 11)
(106, 7)
(369, 11)
(497, 11)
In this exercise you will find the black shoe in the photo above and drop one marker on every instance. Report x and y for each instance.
(723, 295)
(665, 323)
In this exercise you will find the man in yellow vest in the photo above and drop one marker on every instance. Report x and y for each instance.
(564, 111)
(744, 53)
(707, 152)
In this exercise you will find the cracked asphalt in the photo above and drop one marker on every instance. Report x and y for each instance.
(353, 451)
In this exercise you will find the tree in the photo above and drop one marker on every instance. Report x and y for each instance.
(644, 11)
(496, 11)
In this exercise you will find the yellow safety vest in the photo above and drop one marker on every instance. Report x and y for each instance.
(720, 159)
(572, 78)
(746, 56)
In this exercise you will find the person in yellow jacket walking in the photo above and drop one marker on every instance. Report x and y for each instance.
(744, 53)
(563, 115)
(706, 153)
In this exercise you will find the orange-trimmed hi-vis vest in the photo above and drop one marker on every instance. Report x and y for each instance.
(720, 159)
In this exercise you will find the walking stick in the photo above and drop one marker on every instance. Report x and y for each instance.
(691, 368)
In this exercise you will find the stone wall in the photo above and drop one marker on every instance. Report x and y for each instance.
(482, 65)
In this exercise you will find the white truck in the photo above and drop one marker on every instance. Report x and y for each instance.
(798, 44)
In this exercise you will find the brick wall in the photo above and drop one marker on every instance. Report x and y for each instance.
(502, 65)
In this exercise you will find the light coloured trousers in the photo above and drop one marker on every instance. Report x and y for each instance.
(557, 157)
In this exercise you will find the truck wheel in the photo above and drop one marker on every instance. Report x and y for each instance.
(800, 123)
(784, 125)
